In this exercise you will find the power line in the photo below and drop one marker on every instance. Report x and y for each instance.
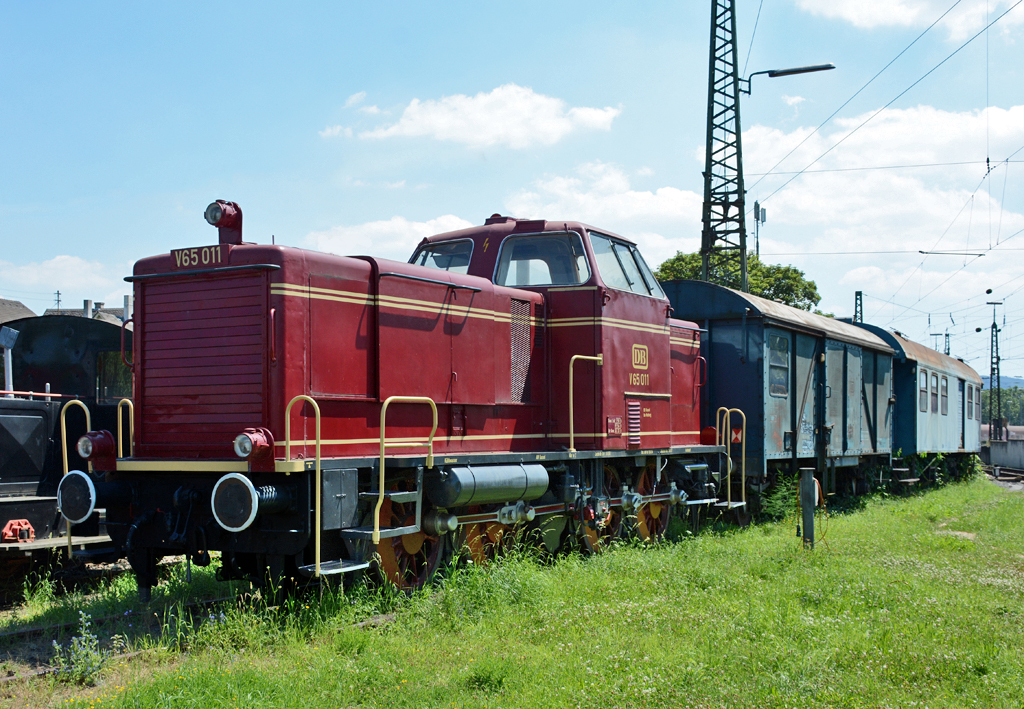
(855, 95)
(891, 102)
(879, 167)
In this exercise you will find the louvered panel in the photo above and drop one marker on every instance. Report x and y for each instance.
(633, 423)
(521, 350)
(202, 360)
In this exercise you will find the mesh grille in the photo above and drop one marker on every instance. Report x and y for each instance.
(633, 422)
(202, 364)
(521, 350)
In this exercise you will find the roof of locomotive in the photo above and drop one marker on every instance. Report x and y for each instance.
(488, 237)
(916, 352)
(699, 300)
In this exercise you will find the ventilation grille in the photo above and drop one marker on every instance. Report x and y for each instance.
(202, 360)
(633, 423)
(521, 349)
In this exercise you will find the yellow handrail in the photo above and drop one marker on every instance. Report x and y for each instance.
(131, 427)
(723, 425)
(572, 360)
(288, 456)
(384, 444)
(64, 448)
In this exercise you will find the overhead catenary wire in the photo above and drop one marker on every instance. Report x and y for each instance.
(891, 101)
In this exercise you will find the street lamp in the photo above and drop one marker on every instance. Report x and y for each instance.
(773, 73)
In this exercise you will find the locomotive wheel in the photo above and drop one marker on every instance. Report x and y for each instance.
(484, 540)
(408, 561)
(596, 539)
(652, 518)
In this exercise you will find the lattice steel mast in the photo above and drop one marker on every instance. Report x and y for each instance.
(724, 237)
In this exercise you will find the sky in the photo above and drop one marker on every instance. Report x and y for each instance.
(361, 128)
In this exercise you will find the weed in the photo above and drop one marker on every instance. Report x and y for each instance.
(82, 661)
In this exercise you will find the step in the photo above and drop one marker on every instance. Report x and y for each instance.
(385, 532)
(909, 481)
(708, 501)
(393, 496)
(338, 566)
(730, 505)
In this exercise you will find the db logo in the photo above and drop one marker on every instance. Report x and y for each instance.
(737, 435)
(639, 357)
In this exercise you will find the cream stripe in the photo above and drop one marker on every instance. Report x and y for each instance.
(497, 437)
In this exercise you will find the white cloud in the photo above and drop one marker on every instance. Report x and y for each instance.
(793, 100)
(510, 115)
(354, 99)
(394, 238)
(662, 221)
(884, 210)
(963, 21)
(372, 110)
(334, 131)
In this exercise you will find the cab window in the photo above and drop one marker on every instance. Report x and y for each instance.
(622, 267)
(451, 256)
(542, 260)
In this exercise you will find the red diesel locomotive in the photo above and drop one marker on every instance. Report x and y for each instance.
(308, 413)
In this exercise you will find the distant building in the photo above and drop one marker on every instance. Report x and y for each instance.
(95, 311)
(13, 310)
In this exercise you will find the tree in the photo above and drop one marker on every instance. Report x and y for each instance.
(786, 284)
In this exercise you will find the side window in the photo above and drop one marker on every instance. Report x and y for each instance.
(778, 366)
(935, 393)
(446, 255)
(945, 397)
(977, 403)
(542, 260)
(923, 396)
(622, 267)
(970, 401)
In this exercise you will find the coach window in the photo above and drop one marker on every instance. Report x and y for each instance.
(977, 403)
(778, 366)
(923, 396)
(622, 267)
(450, 256)
(970, 401)
(935, 393)
(542, 260)
(945, 396)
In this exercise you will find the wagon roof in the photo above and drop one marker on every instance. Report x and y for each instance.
(936, 360)
(916, 352)
(697, 300)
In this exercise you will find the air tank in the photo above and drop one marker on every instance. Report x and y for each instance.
(460, 486)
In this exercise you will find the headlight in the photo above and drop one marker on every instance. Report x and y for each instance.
(243, 445)
(214, 213)
(84, 447)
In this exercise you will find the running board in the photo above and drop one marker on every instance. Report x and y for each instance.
(708, 501)
(412, 496)
(730, 505)
(363, 533)
(330, 568)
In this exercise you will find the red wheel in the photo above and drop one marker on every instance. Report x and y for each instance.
(484, 540)
(408, 561)
(651, 518)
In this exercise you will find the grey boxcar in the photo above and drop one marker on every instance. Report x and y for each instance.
(816, 391)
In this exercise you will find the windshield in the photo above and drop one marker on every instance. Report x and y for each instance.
(542, 260)
(446, 256)
(622, 267)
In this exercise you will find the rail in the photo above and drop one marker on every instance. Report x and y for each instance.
(32, 394)
(723, 423)
(64, 449)
(288, 456)
(131, 428)
(384, 444)
(572, 360)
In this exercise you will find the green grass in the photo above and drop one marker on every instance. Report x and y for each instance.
(906, 602)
